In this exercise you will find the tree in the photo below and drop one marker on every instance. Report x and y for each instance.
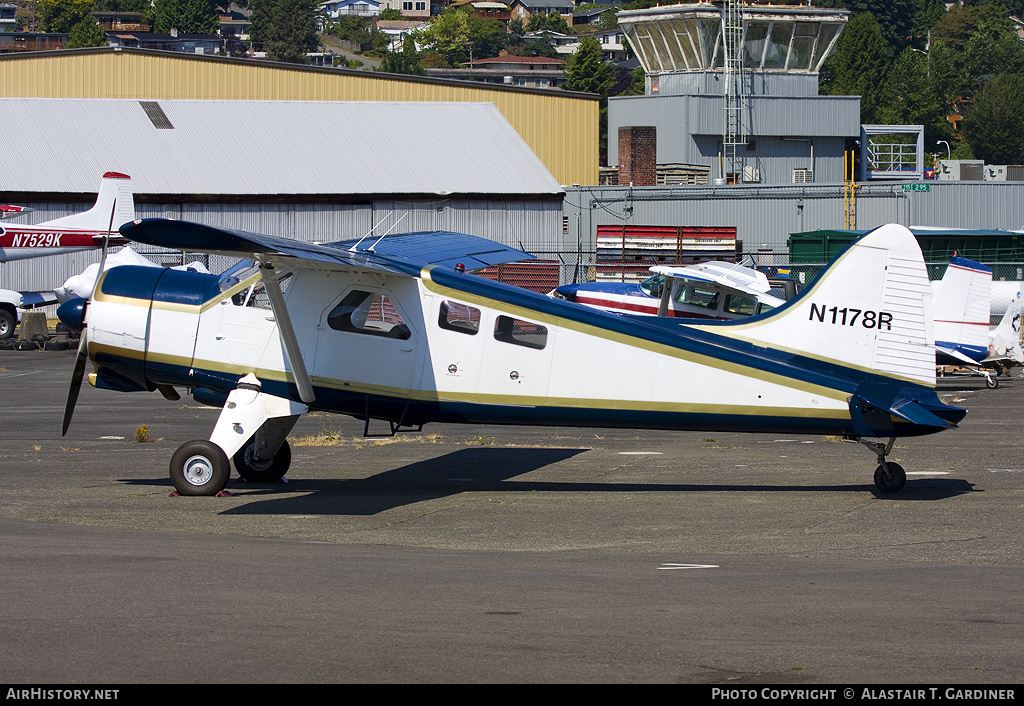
(457, 31)
(586, 69)
(186, 16)
(406, 61)
(550, 22)
(284, 29)
(994, 123)
(86, 33)
(62, 15)
(859, 65)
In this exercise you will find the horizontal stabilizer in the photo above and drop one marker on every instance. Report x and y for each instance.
(955, 355)
(916, 413)
(411, 249)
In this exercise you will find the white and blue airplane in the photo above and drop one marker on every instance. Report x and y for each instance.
(962, 302)
(398, 330)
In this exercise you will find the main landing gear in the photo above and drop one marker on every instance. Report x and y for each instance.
(889, 476)
(251, 430)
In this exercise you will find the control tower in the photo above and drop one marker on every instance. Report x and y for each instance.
(732, 87)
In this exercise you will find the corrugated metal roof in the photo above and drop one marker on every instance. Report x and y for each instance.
(270, 147)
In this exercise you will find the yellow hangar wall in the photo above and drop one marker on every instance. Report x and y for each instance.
(560, 127)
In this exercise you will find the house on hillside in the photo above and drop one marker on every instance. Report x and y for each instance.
(360, 8)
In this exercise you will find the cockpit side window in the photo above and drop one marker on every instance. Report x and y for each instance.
(371, 313)
(739, 304)
(461, 318)
(520, 333)
(697, 296)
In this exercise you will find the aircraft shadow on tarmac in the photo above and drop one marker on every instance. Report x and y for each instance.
(493, 470)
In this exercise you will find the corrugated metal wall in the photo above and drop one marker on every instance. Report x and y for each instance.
(533, 225)
(560, 127)
(765, 216)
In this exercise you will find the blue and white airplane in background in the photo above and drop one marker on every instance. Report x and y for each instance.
(397, 330)
(962, 302)
(707, 290)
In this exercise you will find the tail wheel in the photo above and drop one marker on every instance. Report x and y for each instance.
(890, 477)
(200, 468)
(262, 470)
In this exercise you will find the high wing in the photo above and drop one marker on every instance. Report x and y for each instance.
(405, 252)
(729, 277)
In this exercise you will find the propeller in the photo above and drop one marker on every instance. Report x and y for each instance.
(78, 373)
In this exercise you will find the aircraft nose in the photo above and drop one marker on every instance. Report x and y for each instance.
(72, 313)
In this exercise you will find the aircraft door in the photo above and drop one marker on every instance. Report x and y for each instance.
(516, 363)
(368, 345)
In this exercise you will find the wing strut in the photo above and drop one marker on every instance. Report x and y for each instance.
(284, 325)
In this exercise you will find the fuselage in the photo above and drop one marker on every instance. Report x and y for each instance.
(439, 345)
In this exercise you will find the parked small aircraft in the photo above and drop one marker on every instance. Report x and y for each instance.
(88, 230)
(397, 330)
(710, 290)
(80, 286)
(961, 306)
(80, 231)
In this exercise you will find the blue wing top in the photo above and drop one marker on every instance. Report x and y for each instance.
(404, 252)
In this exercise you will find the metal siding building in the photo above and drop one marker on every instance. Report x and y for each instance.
(559, 126)
(285, 178)
(764, 217)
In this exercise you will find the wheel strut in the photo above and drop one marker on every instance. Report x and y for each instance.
(889, 476)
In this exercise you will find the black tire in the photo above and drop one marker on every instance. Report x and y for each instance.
(991, 381)
(7, 324)
(200, 468)
(263, 470)
(890, 477)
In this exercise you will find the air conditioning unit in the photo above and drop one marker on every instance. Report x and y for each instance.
(803, 176)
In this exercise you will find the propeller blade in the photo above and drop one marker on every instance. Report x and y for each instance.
(76, 382)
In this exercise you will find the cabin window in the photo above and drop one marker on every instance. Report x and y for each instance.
(371, 313)
(652, 286)
(763, 307)
(739, 304)
(459, 317)
(697, 296)
(520, 333)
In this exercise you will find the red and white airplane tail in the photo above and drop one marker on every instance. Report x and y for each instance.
(114, 206)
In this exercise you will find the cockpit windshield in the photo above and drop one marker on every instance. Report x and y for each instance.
(652, 286)
(255, 293)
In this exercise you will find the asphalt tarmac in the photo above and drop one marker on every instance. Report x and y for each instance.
(497, 554)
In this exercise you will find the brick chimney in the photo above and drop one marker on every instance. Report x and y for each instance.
(638, 156)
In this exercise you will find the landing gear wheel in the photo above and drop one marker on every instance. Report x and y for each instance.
(992, 381)
(200, 468)
(262, 470)
(890, 477)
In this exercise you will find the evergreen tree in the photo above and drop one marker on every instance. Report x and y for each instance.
(86, 33)
(586, 69)
(284, 29)
(994, 124)
(186, 16)
(859, 65)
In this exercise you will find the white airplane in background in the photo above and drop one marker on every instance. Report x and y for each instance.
(88, 230)
(961, 308)
(708, 290)
(80, 286)
(395, 329)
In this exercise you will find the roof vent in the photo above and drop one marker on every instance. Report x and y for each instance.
(156, 115)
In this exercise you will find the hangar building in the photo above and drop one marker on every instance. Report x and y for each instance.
(302, 169)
